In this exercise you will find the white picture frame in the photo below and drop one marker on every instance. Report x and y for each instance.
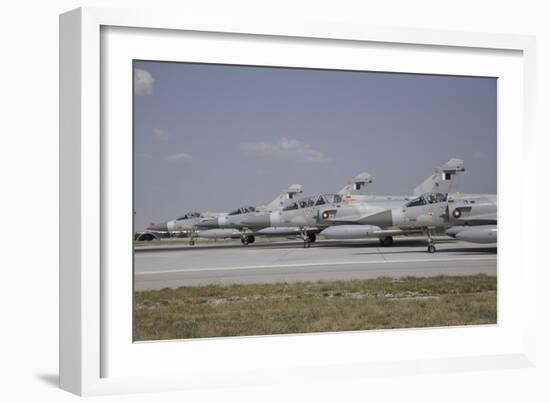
(96, 355)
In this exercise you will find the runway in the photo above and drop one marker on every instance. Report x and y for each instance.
(168, 267)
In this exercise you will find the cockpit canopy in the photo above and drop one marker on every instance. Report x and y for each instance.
(187, 216)
(314, 201)
(243, 210)
(428, 198)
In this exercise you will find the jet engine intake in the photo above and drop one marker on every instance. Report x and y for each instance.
(327, 214)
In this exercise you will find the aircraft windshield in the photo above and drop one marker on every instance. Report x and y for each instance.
(293, 206)
(188, 216)
(307, 202)
(333, 198)
(314, 201)
(419, 201)
(436, 198)
(429, 198)
(243, 210)
(320, 201)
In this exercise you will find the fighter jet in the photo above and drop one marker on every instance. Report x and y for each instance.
(383, 217)
(200, 225)
(471, 219)
(233, 220)
(386, 220)
(250, 222)
(189, 223)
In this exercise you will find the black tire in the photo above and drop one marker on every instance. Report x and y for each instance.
(312, 237)
(191, 242)
(431, 249)
(146, 237)
(244, 241)
(386, 241)
(250, 238)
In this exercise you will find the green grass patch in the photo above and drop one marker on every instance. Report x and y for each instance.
(282, 308)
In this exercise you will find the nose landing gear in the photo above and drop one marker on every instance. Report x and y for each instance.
(307, 238)
(431, 243)
(247, 239)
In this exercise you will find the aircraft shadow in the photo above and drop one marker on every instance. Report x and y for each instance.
(420, 243)
(469, 251)
(376, 244)
(440, 250)
(218, 247)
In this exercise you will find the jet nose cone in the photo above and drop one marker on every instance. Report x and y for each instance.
(158, 227)
(209, 223)
(257, 221)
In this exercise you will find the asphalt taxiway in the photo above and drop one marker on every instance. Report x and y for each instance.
(175, 266)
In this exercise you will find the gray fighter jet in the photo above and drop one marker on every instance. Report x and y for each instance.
(471, 218)
(363, 216)
(189, 224)
(468, 217)
(386, 220)
(250, 222)
(215, 225)
(229, 225)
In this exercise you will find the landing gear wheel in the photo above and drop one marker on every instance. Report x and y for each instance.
(312, 237)
(306, 237)
(386, 241)
(191, 242)
(245, 240)
(431, 248)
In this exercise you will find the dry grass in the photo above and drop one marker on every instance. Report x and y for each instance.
(259, 309)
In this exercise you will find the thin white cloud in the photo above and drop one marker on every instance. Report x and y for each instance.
(179, 157)
(285, 149)
(143, 82)
(162, 135)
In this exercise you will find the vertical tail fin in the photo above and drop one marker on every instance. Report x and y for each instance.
(357, 186)
(280, 200)
(442, 179)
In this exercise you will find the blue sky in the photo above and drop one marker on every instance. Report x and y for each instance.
(215, 137)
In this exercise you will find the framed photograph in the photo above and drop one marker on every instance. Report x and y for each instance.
(237, 197)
